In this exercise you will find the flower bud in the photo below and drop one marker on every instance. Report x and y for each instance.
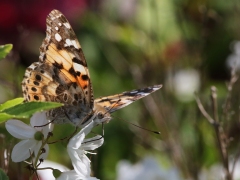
(38, 136)
(56, 173)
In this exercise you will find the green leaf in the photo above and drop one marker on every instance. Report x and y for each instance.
(4, 117)
(26, 110)
(3, 175)
(4, 50)
(11, 103)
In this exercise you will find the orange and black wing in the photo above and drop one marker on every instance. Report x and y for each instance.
(61, 75)
(118, 101)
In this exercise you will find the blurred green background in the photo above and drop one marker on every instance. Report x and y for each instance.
(185, 45)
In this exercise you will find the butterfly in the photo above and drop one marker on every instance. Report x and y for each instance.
(62, 75)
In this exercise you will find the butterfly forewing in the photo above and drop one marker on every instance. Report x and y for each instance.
(118, 101)
(62, 49)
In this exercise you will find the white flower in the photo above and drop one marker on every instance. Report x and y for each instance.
(76, 148)
(48, 173)
(233, 60)
(217, 171)
(184, 83)
(29, 144)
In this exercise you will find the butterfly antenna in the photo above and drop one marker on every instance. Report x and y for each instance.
(102, 129)
(93, 140)
(155, 132)
(65, 138)
(46, 123)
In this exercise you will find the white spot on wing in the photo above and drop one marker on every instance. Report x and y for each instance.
(67, 25)
(60, 24)
(48, 29)
(71, 43)
(68, 42)
(56, 28)
(142, 93)
(75, 44)
(79, 68)
(133, 92)
(58, 37)
(32, 66)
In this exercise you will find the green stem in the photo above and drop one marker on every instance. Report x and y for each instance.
(44, 142)
(45, 168)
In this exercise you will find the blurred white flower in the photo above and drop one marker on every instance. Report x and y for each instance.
(76, 148)
(233, 60)
(184, 83)
(31, 136)
(216, 171)
(146, 169)
(124, 9)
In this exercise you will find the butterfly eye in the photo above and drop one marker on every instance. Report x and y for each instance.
(100, 115)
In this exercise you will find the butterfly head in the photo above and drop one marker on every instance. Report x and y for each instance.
(102, 115)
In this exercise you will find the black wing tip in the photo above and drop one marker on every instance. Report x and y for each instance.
(143, 91)
(152, 88)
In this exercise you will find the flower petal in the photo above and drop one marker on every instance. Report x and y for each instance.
(47, 174)
(76, 141)
(87, 129)
(20, 130)
(70, 175)
(78, 164)
(47, 129)
(80, 161)
(39, 119)
(86, 161)
(92, 143)
(22, 150)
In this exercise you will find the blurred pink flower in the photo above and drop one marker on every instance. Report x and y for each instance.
(33, 13)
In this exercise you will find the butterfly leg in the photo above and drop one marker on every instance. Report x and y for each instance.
(67, 137)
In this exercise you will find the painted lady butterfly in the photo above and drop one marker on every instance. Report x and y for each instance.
(61, 75)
